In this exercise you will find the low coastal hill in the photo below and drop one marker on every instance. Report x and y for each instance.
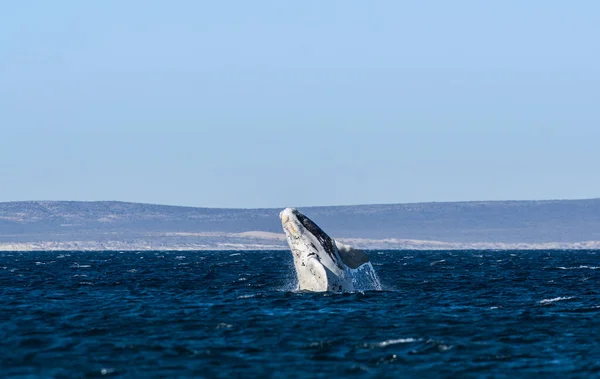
(105, 225)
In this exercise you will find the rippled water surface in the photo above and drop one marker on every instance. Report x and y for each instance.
(237, 314)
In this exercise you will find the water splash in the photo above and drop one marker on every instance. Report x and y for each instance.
(364, 278)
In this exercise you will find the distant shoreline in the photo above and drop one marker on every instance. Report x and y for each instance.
(477, 225)
(367, 245)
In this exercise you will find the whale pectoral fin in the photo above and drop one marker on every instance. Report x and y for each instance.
(351, 257)
(319, 278)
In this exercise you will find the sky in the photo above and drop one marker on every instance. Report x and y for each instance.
(297, 103)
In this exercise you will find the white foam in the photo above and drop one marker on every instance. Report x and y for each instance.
(395, 342)
(77, 265)
(550, 301)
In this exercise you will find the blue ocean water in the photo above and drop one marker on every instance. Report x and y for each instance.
(237, 314)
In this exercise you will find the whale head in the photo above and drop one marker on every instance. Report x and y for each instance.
(322, 263)
(306, 237)
(315, 253)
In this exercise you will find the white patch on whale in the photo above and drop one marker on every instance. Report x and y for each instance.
(323, 264)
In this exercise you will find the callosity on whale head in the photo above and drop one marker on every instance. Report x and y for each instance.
(321, 263)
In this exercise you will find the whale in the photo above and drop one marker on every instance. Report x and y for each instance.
(322, 263)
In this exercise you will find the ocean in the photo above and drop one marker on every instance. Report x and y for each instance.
(237, 314)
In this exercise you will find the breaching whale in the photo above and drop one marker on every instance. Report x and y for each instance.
(323, 264)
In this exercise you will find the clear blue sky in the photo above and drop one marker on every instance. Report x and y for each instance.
(295, 103)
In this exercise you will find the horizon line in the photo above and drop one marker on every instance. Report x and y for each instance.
(305, 206)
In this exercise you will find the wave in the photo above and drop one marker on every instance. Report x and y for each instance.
(550, 301)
